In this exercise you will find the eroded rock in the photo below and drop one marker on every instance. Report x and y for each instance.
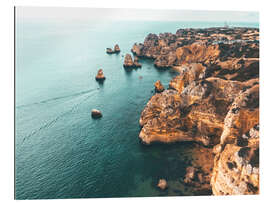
(96, 113)
(236, 166)
(129, 63)
(213, 101)
(115, 50)
(162, 184)
(159, 87)
(100, 76)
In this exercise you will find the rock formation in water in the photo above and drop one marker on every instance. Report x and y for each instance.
(100, 76)
(162, 184)
(115, 50)
(109, 51)
(129, 63)
(159, 87)
(96, 113)
(213, 101)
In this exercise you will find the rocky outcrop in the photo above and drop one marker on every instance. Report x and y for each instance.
(213, 101)
(158, 87)
(115, 50)
(197, 114)
(109, 51)
(165, 61)
(136, 62)
(96, 113)
(197, 53)
(188, 73)
(129, 63)
(100, 76)
(136, 49)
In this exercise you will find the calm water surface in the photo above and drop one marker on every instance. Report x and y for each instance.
(61, 152)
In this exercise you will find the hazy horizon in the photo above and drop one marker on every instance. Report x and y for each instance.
(110, 14)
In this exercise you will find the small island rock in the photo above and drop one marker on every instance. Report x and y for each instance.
(129, 63)
(116, 48)
(100, 76)
(162, 184)
(96, 113)
(109, 51)
(159, 87)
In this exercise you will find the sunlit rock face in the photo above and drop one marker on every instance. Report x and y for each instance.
(213, 101)
(197, 114)
(236, 165)
(159, 87)
(208, 46)
(129, 63)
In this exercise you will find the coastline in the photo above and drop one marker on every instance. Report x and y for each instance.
(213, 101)
(83, 141)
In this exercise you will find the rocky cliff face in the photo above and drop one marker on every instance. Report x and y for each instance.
(210, 46)
(236, 164)
(213, 101)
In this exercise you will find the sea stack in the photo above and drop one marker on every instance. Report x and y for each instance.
(109, 51)
(116, 48)
(100, 76)
(129, 63)
(159, 87)
(162, 184)
(96, 113)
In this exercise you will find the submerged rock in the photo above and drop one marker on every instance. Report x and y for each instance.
(96, 113)
(100, 76)
(162, 184)
(190, 174)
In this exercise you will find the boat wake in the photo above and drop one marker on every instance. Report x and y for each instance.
(54, 120)
(56, 98)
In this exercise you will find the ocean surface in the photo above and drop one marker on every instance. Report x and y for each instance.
(60, 151)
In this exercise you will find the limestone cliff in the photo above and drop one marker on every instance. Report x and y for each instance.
(213, 101)
(236, 164)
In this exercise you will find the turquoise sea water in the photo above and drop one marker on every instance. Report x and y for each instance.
(61, 152)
